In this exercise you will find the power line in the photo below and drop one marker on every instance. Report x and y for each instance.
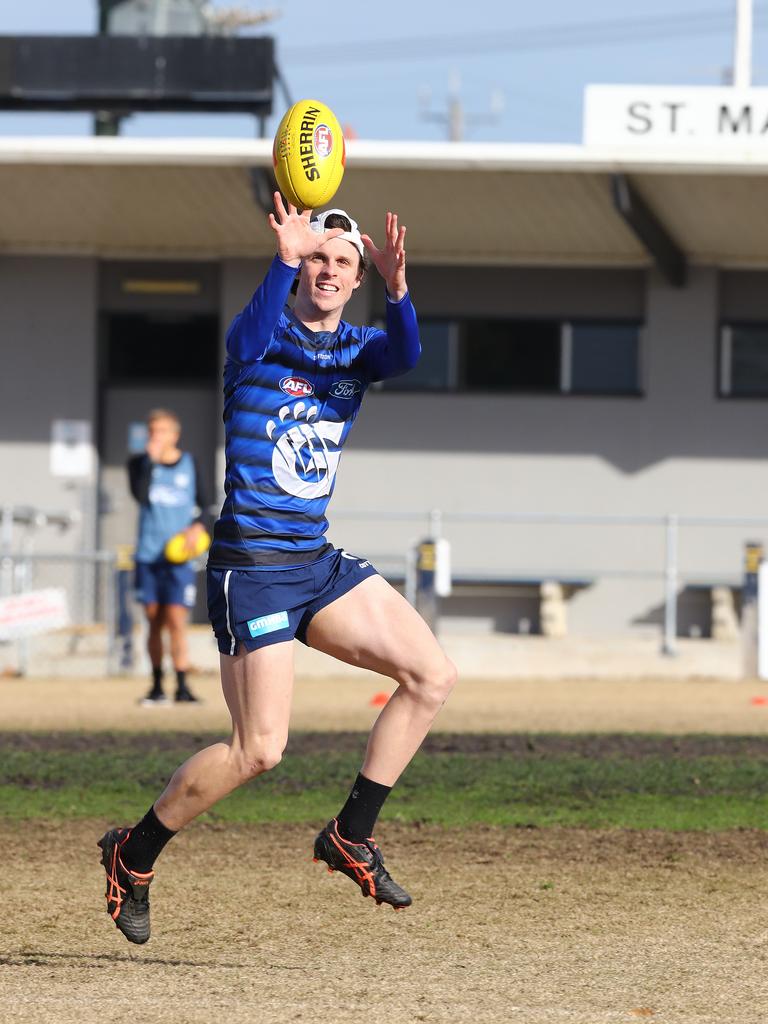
(575, 35)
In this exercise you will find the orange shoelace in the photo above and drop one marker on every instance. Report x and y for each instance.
(360, 868)
(115, 892)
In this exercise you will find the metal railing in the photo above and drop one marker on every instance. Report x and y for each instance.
(87, 577)
(437, 523)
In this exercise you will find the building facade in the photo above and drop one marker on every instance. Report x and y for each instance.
(565, 376)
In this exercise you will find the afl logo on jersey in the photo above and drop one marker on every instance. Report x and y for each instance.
(345, 389)
(296, 387)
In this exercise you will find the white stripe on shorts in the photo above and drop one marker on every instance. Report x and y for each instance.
(233, 645)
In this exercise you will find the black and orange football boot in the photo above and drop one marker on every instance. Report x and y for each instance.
(127, 891)
(363, 863)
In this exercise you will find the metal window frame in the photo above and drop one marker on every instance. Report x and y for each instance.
(566, 357)
(726, 361)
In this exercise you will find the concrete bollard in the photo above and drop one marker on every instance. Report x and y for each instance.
(552, 610)
(724, 621)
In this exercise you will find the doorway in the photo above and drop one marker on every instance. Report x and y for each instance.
(159, 348)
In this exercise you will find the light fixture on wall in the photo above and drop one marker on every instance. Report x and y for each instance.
(159, 286)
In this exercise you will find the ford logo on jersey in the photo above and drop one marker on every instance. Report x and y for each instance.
(297, 387)
(346, 389)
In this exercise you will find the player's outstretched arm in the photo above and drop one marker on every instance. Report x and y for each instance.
(396, 350)
(390, 261)
(251, 331)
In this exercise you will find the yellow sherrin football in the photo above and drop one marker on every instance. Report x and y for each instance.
(308, 155)
(176, 549)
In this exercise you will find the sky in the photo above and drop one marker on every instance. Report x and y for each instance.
(388, 70)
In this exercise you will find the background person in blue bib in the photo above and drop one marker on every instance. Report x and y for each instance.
(166, 483)
(294, 380)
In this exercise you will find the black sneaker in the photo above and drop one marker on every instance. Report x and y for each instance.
(363, 863)
(127, 891)
(155, 699)
(186, 697)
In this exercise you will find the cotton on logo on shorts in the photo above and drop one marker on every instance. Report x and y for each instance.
(267, 623)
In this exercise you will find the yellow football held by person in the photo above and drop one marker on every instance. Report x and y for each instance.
(178, 549)
(309, 155)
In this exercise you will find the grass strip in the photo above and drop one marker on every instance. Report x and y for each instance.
(93, 777)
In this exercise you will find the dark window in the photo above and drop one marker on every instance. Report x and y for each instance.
(744, 360)
(528, 356)
(511, 355)
(604, 358)
(435, 370)
(161, 347)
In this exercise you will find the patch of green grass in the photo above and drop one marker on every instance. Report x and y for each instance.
(99, 778)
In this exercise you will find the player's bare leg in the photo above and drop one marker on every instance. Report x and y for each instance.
(176, 616)
(257, 688)
(375, 628)
(176, 620)
(155, 614)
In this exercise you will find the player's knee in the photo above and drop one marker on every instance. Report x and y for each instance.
(445, 680)
(261, 757)
(431, 684)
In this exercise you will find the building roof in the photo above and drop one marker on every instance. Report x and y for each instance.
(462, 202)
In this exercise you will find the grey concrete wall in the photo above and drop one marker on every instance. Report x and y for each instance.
(677, 449)
(744, 295)
(48, 336)
(522, 291)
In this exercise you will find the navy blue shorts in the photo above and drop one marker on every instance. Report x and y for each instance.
(265, 605)
(166, 583)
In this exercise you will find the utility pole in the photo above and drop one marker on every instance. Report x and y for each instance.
(742, 47)
(454, 118)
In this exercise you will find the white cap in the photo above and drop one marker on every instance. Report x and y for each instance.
(353, 235)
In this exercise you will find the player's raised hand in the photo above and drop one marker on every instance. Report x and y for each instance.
(390, 261)
(295, 238)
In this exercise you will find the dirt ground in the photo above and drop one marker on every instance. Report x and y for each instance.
(524, 926)
(496, 706)
(536, 927)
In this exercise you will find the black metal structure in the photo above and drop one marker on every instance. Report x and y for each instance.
(649, 230)
(127, 74)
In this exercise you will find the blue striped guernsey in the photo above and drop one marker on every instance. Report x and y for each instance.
(291, 396)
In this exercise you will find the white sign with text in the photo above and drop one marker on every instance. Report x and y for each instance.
(675, 116)
(71, 452)
(37, 611)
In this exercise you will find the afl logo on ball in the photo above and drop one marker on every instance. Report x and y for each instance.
(323, 140)
(297, 387)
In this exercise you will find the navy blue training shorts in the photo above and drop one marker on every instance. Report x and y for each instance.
(166, 583)
(268, 605)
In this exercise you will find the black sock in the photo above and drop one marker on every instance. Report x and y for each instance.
(358, 815)
(157, 679)
(181, 680)
(143, 846)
